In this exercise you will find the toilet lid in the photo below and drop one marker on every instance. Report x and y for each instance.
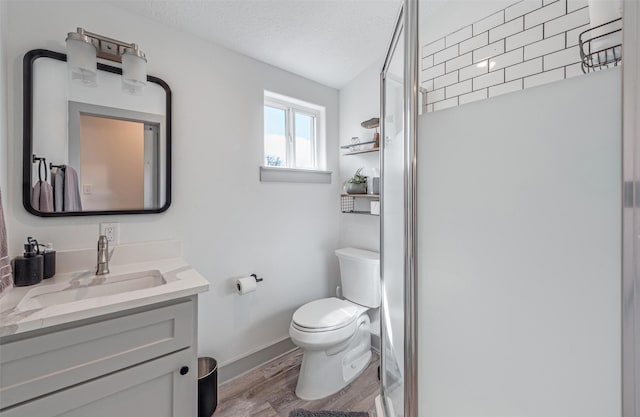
(327, 313)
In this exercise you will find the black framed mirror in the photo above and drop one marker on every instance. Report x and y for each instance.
(93, 150)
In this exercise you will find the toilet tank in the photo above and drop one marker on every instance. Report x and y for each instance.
(360, 276)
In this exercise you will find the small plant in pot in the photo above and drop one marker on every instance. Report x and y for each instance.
(357, 184)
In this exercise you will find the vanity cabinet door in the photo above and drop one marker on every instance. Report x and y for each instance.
(156, 388)
(39, 365)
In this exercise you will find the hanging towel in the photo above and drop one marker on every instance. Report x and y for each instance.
(5, 265)
(72, 200)
(42, 197)
(57, 179)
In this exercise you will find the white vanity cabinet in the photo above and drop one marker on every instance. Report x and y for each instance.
(136, 363)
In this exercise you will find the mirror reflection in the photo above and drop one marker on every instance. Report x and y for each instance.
(95, 150)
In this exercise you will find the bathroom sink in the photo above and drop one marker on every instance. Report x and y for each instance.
(89, 287)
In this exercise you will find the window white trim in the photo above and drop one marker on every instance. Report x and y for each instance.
(281, 174)
(292, 106)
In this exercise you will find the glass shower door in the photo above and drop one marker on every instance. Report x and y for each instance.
(393, 226)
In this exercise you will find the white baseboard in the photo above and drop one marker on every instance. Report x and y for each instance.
(253, 360)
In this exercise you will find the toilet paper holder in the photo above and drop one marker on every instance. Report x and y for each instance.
(247, 284)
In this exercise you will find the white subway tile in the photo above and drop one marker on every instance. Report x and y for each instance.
(459, 36)
(544, 47)
(433, 47)
(473, 71)
(573, 70)
(521, 8)
(574, 34)
(506, 60)
(566, 22)
(524, 38)
(488, 80)
(441, 105)
(476, 42)
(505, 88)
(488, 22)
(524, 69)
(445, 55)
(508, 29)
(573, 5)
(445, 80)
(488, 51)
(544, 78)
(471, 97)
(436, 95)
(428, 85)
(430, 108)
(427, 62)
(459, 62)
(545, 14)
(433, 72)
(562, 58)
(458, 89)
(548, 2)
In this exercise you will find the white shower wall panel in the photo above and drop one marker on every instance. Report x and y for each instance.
(519, 253)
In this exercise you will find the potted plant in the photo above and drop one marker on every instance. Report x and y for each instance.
(357, 184)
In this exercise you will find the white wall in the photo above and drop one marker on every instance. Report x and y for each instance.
(359, 101)
(230, 223)
(519, 253)
(3, 114)
(4, 171)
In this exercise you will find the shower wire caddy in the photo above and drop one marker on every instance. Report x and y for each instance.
(596, 52)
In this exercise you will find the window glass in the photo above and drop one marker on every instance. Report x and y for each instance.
(304, 146)
(275, 137)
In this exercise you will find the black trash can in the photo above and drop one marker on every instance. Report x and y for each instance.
(207, 386)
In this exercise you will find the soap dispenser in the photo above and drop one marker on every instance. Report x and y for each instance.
(28, 269)
(49, 260)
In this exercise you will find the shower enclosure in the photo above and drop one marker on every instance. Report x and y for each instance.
(509, 214)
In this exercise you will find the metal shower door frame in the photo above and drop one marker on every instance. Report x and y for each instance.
(631, 211)
(383, 313)
(407, 23)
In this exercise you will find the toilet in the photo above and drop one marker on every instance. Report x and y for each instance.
(335, 333)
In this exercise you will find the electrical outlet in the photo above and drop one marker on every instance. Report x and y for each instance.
(111, 231)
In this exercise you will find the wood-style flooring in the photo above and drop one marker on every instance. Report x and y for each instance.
(268, 391)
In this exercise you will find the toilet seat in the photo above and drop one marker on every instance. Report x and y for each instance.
(326, 315)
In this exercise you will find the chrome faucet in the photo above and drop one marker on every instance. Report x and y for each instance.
(103, 256)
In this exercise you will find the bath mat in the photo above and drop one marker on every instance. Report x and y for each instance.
(307, 413)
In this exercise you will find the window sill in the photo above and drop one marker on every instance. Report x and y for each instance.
(312, 176)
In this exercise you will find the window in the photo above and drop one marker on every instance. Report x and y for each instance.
(292, 132)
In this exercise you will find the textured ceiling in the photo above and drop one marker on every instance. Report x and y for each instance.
(328, 41)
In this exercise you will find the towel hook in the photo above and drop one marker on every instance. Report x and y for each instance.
(41, 161)
(42, 164)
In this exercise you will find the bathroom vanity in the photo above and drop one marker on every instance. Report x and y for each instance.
(124, 344)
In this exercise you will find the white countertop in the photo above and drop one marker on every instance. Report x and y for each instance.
(181, 281)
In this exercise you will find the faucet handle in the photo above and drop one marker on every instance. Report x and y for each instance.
(103, 241)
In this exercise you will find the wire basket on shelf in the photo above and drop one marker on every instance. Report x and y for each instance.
(347, 204)
(601, 46)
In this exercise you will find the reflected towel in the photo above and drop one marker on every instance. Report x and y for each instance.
(57, 179)
(5, 265)
(42, 197)
(72, 200)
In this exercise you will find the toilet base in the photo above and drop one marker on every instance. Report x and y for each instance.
(325, 372)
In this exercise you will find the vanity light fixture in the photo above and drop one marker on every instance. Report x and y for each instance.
(83, 49)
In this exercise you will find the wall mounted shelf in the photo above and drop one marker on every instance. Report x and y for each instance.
(374, 196)
(348, 203)
(357, 145)
(363, 151)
